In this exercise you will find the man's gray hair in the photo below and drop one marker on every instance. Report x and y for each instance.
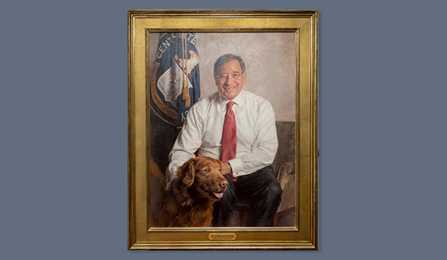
(227, 58)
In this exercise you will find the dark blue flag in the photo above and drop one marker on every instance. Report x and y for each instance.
(176, 85)
(174, 88)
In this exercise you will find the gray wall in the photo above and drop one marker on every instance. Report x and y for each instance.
(63, 130)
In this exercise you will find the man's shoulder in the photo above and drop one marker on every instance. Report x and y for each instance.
(253, 96)
(204, 103)
(256, 100)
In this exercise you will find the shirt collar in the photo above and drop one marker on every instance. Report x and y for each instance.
(238, 100)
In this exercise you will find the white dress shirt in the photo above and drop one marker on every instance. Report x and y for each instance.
(257, 141)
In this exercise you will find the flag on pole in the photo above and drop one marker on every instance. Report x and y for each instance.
(174, 88)
(176, 85)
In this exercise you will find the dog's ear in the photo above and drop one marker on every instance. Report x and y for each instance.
(186, 173)
(189, 173)
(181, 194)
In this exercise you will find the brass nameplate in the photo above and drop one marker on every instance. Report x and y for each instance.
(222, 236)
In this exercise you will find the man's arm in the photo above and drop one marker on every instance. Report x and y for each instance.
(187, 143)
(265, 146)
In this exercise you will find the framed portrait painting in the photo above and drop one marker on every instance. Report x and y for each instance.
(222, 129)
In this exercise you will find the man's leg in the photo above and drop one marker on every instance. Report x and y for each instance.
(263, 192)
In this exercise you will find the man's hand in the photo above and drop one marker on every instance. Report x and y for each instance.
(226, 170)
(169, 179)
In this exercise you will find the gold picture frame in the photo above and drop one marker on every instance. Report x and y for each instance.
(303, 27)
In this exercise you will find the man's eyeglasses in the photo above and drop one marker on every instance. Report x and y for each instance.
(236, 76)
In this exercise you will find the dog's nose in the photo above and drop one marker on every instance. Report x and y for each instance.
(223, 184)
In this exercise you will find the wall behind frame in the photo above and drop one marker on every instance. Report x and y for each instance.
(382, 135)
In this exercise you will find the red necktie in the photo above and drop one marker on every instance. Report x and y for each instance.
(229, 135)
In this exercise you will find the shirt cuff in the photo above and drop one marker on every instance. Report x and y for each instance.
(236, 166)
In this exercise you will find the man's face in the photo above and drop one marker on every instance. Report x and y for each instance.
(230, 80)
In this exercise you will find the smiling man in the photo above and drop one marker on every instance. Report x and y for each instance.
(237, 127)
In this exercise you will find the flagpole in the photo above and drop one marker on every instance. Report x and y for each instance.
(185, 89)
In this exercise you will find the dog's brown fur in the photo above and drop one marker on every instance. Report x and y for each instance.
(189, 202)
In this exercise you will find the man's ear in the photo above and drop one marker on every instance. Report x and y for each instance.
(188, 173)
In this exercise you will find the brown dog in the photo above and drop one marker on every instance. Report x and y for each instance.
(189, 203)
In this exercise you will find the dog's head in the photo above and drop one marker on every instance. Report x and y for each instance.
(203, 176)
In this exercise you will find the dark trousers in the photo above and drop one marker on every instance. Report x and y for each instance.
(260, 190)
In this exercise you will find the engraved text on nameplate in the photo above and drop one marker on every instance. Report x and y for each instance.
(222, 236)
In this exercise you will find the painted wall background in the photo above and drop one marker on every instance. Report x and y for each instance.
(270, 59)
(382, 134)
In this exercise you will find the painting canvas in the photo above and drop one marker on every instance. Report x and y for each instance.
(270, 60)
